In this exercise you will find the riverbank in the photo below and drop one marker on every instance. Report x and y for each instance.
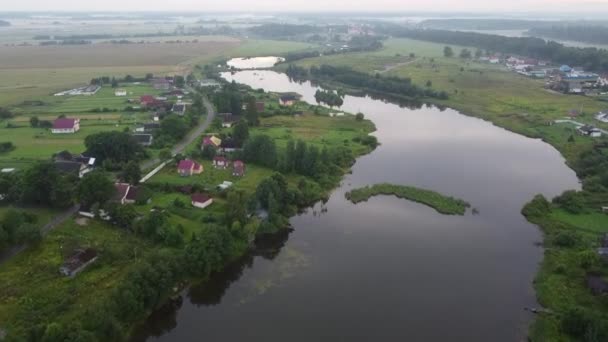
(443, 204)
(521, 105)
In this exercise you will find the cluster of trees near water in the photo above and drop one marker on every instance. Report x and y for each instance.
(330, 98)
(573, 250)
(355, 44)
(589, 58)
(390, 85)
(580, 33)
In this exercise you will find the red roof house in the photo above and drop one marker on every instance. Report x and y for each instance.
(220, 162)
(238, 168)
(65, 125)
(201, 200)
(211, 140)
(189, 167)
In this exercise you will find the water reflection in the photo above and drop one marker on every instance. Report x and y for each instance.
(389, 269)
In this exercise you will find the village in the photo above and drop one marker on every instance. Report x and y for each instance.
(191, 183)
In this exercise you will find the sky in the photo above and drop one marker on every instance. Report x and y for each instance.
(307, 5)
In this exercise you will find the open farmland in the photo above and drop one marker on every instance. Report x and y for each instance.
(27, 72)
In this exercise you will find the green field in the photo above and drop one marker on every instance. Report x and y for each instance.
(487, 91)
(259, 47)
(31, 280)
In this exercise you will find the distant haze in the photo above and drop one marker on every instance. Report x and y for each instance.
(310, 5)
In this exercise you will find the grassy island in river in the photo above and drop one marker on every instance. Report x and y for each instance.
(443, 204)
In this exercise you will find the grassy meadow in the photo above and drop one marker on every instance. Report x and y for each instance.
(491, 92)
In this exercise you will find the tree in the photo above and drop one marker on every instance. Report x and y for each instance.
(165, 154)
(41, 184)
(465, 53)
(208, 152)
(95, 187)
(571, 201)
(240, 132)
(429, 84)
(174, 127)
(262, 150)
(28, 234)
(359, 116)
(116, 147)
(251, 111)
(237, 207)
(131, 173)
(34, 121)
(448, 52)
(114, 83)
(179, 81)
(5, 113)
(478, 53)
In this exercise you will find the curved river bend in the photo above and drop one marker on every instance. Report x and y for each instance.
(388, 269)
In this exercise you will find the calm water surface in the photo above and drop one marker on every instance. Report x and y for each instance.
(254, 63)
(388, 269)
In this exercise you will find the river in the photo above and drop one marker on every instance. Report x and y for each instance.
(389, 269)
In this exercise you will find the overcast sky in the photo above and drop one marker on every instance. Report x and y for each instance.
(306, 5)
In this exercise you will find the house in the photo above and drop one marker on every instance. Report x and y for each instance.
(574, 113)
(577, 82)
(78, 165)
(230, 145)
(188, 167)
(288, 100)
(597, 284)
(120, 92)
(603, 252)
(72, 167)
(179, 109)
(238, 168)
(148, 127)
(602, 80)
(201, 201)
(589, 131)
(78, 261)
(260, 107)
(143, 139)
(220, 162)
(602, 116)
(212, 141)
(149, 101)
(228, 120)
(494, 60)
(565, 68)
(161, 83)
(65, 126)
(209, 83)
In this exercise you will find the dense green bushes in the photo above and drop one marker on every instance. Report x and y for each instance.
(443, 204)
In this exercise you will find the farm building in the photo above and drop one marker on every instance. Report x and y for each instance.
(161, 84)
(144, 139)
(589, 131)
(220, 162)
(188, 167)
(238, 168)
(228, 120)
(288, 100)
(78, 261)
(65, 126)
(201, 201)
(179, 109)
(120, 92)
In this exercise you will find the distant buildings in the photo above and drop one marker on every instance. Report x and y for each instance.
(85, 91)
(179, 109)
(238, 168)
(65, 126)
(161, 83)
(120, 92)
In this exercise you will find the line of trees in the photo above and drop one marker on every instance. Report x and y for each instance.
(330, 98)
(589, 58)
(581, 33)
(391, 85)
